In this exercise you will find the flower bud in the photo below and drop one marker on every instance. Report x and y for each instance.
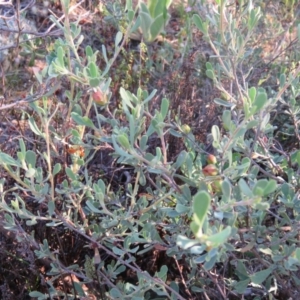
(211, 159)
(99, 97)
(186, 128)
(217, 186)
(210, 170)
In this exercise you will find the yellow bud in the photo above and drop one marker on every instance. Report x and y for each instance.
(186, 128)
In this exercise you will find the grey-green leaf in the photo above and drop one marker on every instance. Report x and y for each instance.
(201, 203)
(6, 159)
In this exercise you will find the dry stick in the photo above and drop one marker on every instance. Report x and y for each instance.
(48, 146)
(278, 179)
(205, 295)
(274, 165)
(216, 283)
(164, 148)
(108, 282)
(182, 278)
(71, 226)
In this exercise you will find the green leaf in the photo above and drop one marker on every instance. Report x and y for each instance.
(88, 51)
(60, 56)
(70, 174)
(94, 82)
(132, 128)
(149, 97)
(162, 274)
(93, 70)
(126, 97)
(91, 206)
(21, 157)
(79, 289)
(38, 295)
(175, 287)
(252, 124)
(252, 94)
(6, 159)
(241, 271)
(258, 191)
(85, 121)
(118, 39)
(264, 187)
(118, 251)
(202, 26)
(123, 141)
(136, 25)
(115, 294)
(226, 118)
(144, 8)
(151, 7)
(201, 203)
(209, 66)
(51, 207)
(210, 264)
(180, 159)
(56, 169)
(31, 158)
(30, 173)
(260, 101)
(219, 238)
(130, 15)
(182, 209)
(146, 22)
(226, 189)
(118, 149)
(297, 254)
(156, 27)
(22, 147)
(240, 132)
(34, 127)
(185, 243)
(241, 286)
(216, 133)
(160, 8)
(245, 188)
(282, 80)
(271, 187)
(143, 142)
(261, 206)
(247, 109)
(104, 53)
(223, 102)
(261, 276)
(210, 74)
(164, 109)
